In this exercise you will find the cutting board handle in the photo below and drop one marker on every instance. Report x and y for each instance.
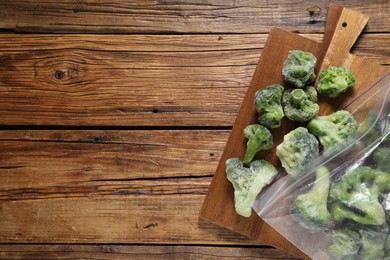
(343, 27)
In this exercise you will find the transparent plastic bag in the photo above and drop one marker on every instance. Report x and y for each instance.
(274, 206)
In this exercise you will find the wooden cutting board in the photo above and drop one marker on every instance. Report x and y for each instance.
(343, 27)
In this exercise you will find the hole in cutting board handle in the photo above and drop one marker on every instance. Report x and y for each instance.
(344, 24)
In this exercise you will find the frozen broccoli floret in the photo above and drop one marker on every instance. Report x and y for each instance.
(375, 127)
(359, 242)
(373, 242)
(259, 138)
(356, 196)
(382, 158)
(248, 182)
(370, 124)
(334, 81)
(298, 68)
(300, 104)
(310, 209)
(345, 242)
(333, 129)
(268, 105)
(298, 149)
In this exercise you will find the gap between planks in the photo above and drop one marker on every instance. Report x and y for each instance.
(140, 251)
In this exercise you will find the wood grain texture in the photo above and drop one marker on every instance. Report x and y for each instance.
(49, 159)
(373, 45)
(147, 65)
(109, 186)
(131, 218)
(106, 80)
(219, 16)
(139, 252)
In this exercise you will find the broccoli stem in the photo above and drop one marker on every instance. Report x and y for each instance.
(298, 95)
(259, 138)
(298, 98)
(250, 152)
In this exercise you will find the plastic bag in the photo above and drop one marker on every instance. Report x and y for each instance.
(367, 241)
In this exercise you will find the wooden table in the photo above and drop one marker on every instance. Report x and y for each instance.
(114, 114)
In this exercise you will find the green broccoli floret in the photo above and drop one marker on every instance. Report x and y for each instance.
(359, 242)
(310, 209)
(268, 105)
(259, 138)
(298, 149)
(370, 124)
(298, 68)
(345, 242)
(373, 243)
(334, 81)
(356, 196)
(300, 104)
(382, 158)
(375, 127)
(248, 182)
(333, 129)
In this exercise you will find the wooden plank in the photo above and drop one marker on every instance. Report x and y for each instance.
(106, 80)
(123, 87)
(136, 42)
(65, 164)
(374, 45)
(218, 16)
(106, 95)
(54, 159)
(134, 218)
(140, 252)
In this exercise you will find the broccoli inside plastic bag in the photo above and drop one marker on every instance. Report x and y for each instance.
(340, 207)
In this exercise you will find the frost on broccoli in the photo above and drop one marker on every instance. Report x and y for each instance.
(298, 149)
(259, 138)
(310, 209)
(356, 196)
(300, 104)
(382, 158)
(268, 105)
(298, 68)
(248, 182)
(345, 242)
(333, 129)
(334, 81)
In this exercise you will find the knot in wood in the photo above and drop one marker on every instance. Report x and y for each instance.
(64, 72)
(59, 74)
(314, 11)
